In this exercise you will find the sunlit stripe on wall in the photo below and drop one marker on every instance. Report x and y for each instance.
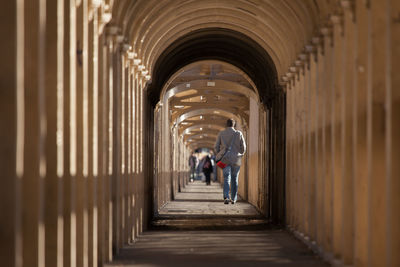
(41, 88)
(141, 124)
(85, 119)
(60, 88)
(137, 119)
(122, 66)
(72, 66)
(95, 94)
(60, 129)
(133, 122)
(85, 169)
(129, 121)
(73, 239)
(20, 89)
(20, 104)
(42, 128)
(110, 111)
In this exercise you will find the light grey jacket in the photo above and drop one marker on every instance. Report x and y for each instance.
(224, 139)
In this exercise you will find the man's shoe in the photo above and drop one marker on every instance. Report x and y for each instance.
(233, 201)
(226, 201)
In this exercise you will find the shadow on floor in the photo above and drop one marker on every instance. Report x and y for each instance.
(199, 230)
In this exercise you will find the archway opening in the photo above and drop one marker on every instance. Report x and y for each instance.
(198, 82)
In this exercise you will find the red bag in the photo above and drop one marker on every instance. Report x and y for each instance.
(221, 164)
(229, 152)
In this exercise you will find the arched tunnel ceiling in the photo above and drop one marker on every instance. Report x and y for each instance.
(262, 37)
(219, 44)
(203, 95)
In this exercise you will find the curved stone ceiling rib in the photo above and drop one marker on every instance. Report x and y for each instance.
(205, 111)
(218, 44)
(231, 69)
(202, 84)
(205, 126)
(282, 28)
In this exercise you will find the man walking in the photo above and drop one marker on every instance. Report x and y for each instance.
(233, 140)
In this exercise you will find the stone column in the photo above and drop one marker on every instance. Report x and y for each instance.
(319, 145)
(361, 232)
(122, 148)
(302, 152)
(12, 133)
(336, 125)
(327, 137)
(296, 156)
(109, 145)
(116, 145)
(290, 155)
(313, 140)
(129, 107)
(376, 137)
(55, 170)
(35, 134)
(348, 102)
(81, 118)
(92, 131)
(102, 205)
(69, 89)
(393, 131)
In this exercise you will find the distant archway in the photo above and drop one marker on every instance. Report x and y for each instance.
(219, 44)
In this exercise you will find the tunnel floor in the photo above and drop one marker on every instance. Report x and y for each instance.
(197, 229)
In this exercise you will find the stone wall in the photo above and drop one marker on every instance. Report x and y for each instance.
(343, 136)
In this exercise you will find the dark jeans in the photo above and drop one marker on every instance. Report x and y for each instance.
(208, 177)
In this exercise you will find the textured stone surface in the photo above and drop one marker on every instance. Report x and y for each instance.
(232, 241)
(199, 199)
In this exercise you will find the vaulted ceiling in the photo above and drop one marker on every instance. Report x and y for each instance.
(281, 27)
(203, 95)
(242, 47)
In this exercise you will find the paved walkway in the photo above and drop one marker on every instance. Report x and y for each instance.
(197, 199)
(197, 229)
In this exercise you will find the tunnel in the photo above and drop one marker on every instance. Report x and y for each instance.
(103, 103)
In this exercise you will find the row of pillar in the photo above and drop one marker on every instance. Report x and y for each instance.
(343, 137)
(74, 188)
(171, 174)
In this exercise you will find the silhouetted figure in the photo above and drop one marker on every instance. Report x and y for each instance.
(214, 167)
(207, 169)
(193, 161)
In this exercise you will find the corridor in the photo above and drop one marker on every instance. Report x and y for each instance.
(103, 102)
(197, 229)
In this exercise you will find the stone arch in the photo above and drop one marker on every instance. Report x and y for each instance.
(219, 44)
